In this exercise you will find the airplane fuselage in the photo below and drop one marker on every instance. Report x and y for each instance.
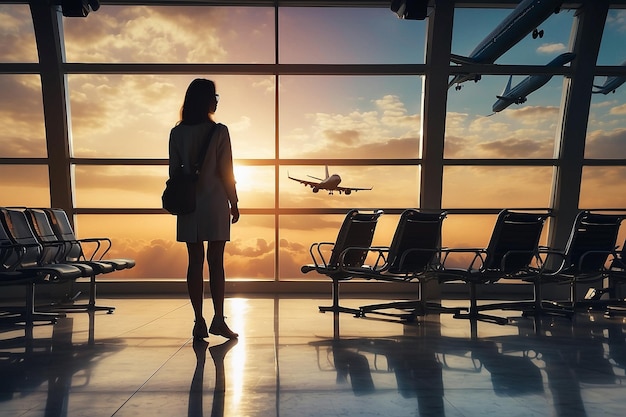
(526, 17)
(529, 84)
(522, 21)
(330, 183)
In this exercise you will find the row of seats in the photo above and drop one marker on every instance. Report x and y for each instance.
(38, 246)
(416, 254)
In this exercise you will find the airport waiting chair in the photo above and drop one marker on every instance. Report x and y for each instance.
(349, 251)
(413, 255)
(57, 251)
(590, 247)
(21, 265)
(75, 248)
(511, 253)
(615, 302)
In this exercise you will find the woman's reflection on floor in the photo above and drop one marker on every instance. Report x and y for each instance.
(218, 353)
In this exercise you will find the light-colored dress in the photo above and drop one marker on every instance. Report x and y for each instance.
(215, 189)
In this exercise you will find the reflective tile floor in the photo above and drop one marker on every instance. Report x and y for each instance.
(293, 361)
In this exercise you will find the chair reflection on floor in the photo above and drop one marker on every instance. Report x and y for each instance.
(67, 364)
(348, 251)
(415, 366)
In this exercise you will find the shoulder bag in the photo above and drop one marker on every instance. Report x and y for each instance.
(179, 196)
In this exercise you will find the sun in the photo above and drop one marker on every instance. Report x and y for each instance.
(244, 175)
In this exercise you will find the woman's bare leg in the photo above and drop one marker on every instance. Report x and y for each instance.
(217, 280)
(195, 281)
(217, 284)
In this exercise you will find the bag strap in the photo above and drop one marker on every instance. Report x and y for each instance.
(205, 147)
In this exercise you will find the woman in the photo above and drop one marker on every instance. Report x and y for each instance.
(216, 201)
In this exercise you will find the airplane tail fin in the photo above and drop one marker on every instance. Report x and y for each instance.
(460, 59)
(327, 174)
(507, 88)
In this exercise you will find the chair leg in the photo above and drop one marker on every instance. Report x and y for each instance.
(90, 306)
(474, 314)
(413, 308)
(27, 315)
(335, 307)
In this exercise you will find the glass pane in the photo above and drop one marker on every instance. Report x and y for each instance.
(21, 111)
(350, 117)
(298, 232)
(603, 187)
(496, 187)
(24, 185)
(467, 35)
(524, 130)
(328, 35)
(151, 241)
(613, 48)
(130, 116)
(255, 186)
(392, 187)
(172, 34)
(17, 34)
(119, 186)
(606, 130)
(471, 231)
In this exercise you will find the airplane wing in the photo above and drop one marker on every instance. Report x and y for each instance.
(311, 184)
(348, 190)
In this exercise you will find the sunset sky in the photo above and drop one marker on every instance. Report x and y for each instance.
(320, 117)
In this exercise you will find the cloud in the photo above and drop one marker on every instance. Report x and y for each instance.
(18, 40)
(602, 144)
(245, 260)
(499, 137)
(267, 84)
(514, 147)
(23, 132)
(533, 114)
(617, 18)
(387, 132)
(551, 48)
(146, 34)
(395, 112)
(618, 110)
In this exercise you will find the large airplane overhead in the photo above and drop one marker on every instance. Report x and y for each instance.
(529, 84)
(524, 19)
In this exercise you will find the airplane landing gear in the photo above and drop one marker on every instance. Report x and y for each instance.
(537, 33)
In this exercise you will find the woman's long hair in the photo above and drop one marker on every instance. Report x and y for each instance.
(199, 97)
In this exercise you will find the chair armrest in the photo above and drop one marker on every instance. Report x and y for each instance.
(596, 252)
(544, 254)
(18, 250)
(102, 243)
(534, 253)
(408, 252)
(478, 256)
(318, 260)
(379, 265)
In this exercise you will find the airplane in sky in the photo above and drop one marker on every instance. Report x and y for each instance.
(330, 183)
(610, 85)
(529, 84)
(523, 20)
